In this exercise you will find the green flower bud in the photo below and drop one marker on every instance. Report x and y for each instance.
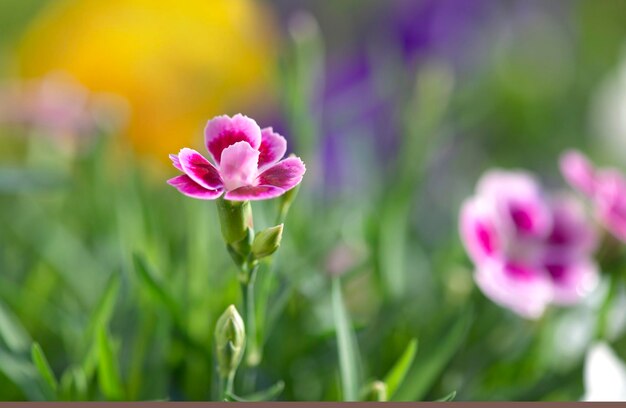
(377, 391)
(267, 241)
(230, 341)
(235, 220)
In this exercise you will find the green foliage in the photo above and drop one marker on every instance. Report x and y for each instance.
(108, 370)
(346, 345)
(40, 361)
(447, 398)
(154, 287)
(430, 364)
(398, 372)
(121, 280)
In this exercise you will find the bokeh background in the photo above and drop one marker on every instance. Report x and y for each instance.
(396, 107)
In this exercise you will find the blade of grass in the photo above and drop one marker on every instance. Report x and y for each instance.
(23, 373)
(108, 371)
(73, 386)
(447, 398)
(12, 332)
(429, 366)
(155, 287)
(41, 362)
(393, 248)
(346, 345)
(100, 317)
(398, 372)
(104, 309)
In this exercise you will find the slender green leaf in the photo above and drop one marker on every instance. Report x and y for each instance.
(266, 395)
(428, 366)
(104, 309)
(89, 364)
(392, 249)
(41, 362)
(12, 332)
(23, 373)
(447, 398)
(154, 286)
(108, 371)
(73, 385)
(100, 317)
(346, 344)
(398, 372)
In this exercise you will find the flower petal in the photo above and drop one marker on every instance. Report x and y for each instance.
(573, 280)
(190, 188)
(254, 193)
(478, 229)
(199, 169)
(239, 165)
(176, 162)
(521, 288)
(285, 174)
(604, 374)
(610, 202)
(572, 232)
(519, 199)
(223, 131)
(273, 148)
(578, 171)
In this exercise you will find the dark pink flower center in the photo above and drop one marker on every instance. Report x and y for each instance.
(558, 272)
(560, 234)
(522, 219)
(485, 238)
(225, 139)
(519, 272)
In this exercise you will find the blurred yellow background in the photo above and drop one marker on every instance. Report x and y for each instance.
(177, 63)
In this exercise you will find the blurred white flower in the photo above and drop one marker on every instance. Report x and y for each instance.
(604, 375)
(608, 112)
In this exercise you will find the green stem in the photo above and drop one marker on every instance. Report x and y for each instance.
(605, 309)
(346, 345)
(235, 220)
(226, 386)
(253, 355)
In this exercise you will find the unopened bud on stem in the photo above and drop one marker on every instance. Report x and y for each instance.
(267, 241)
(230, 340)
(377, 391)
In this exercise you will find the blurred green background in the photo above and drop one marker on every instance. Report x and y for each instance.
(396, 107)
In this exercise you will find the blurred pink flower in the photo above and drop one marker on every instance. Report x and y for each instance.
(247, 163)
(54, 105)
(606, 187)
(529, 250)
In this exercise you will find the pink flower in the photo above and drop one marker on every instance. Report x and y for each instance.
(59, 107)
(54, 105)
(606, 187)
(247, 163)
(529, 250)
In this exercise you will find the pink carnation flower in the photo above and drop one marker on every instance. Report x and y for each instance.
(606, 187)
(247, 163)
(529, 250)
